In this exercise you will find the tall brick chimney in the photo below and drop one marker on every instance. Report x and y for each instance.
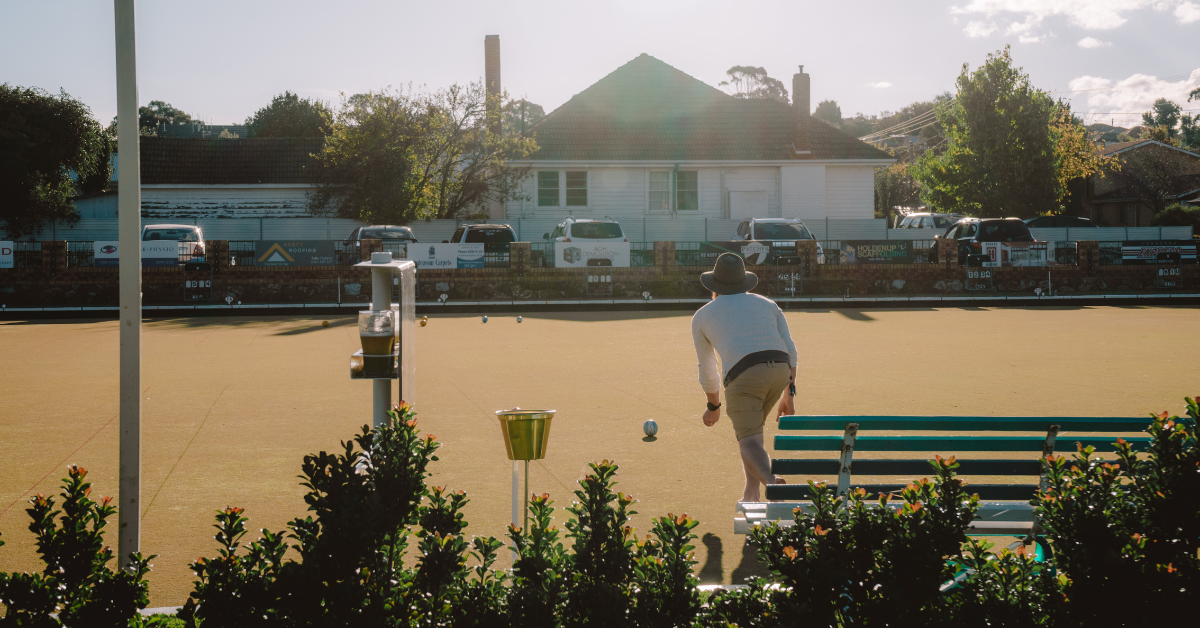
(800, 95)
(802, 109)
(491, 80)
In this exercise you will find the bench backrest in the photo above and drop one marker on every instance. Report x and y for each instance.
(856, 436)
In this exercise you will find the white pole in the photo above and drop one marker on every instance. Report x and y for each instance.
(129, 202)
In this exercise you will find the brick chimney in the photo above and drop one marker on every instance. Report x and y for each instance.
(802, 109)
(491, 80)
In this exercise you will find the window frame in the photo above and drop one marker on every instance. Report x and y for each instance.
(672, 191)
(678, 190)
(562, 199)
(651, 209)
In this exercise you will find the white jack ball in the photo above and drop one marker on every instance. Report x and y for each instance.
(650, 427)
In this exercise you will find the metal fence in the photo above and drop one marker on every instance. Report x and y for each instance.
(241, 253)
(541, 254)
(27, 254)
(641, 254)
(1110, 253)
(81, 254)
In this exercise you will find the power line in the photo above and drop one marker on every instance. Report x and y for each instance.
(914, 120)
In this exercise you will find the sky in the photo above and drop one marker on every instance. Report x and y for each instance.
(221, 60)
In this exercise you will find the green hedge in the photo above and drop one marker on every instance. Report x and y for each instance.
(1124, 537)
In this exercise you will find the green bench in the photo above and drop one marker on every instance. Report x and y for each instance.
(1004, 508)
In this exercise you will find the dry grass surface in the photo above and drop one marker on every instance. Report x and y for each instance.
(232, 404)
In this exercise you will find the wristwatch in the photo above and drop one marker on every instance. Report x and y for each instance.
(712, 406)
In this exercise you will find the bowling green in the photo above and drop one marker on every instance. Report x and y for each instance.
(231, 404)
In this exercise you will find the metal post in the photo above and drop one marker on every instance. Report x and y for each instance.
(525, 523)
(381, 299)
(516, 486)
(129, 202)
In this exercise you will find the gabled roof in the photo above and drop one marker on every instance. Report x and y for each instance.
(216, 161)
(647, 110)
(1121, 147)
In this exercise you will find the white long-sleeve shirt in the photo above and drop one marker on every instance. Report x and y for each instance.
(736, 325)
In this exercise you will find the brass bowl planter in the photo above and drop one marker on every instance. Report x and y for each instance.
(526, 432)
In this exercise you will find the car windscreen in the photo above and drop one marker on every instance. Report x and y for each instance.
(490, 236)
(1003, 231)
(386, 233)
(781, 231)
(181, 235)
(596, 230)
(941, 222)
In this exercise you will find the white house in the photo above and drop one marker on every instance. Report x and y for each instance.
(649, 140)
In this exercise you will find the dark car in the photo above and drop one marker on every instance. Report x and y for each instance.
(495, 238)
(387, 233)
(971, 233)
(1043, 222)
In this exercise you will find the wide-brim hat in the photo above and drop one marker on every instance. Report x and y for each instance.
(729, 276)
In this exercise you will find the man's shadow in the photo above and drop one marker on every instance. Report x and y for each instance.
(711, 571)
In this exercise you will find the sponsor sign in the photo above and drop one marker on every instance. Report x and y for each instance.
(876, 252)
(443, 255)
(754, 252)
(160, 253)
(107, 253)
(294, 253)
(583, 254)
(6, 254)
(1146, 251)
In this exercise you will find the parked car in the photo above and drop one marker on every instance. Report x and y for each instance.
(189, 237)
(387, 233)
(925, 220)
(495, 238)
(586, 230)
(777, 230)
(971, 233)
(1042, 222)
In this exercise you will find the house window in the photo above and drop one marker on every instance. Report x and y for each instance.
(547, 188)
(660, 191)
(577, 184)
(687, 190)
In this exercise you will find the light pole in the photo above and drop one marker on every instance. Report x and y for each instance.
(129, 211)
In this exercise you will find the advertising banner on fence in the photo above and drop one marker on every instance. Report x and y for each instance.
(106, 253)
(877, 252)
(444, 255)
(6, 254)
(160, 253)
(1146, 251)
(294, 253)
(755, 253)
(582, 254)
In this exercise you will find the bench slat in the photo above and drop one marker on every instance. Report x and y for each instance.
(1016, 492)
(790, 442)
(913, 467)
(961, 423)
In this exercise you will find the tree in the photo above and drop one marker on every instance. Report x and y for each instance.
(289, 115)
(1000, 158)
(1164, 113)
(160, 113)
(747, 81)
(521, 114)
(397, 156)
(829, 111)
(895, 187)
(1154, 174)
(1076, 159)
(45, 141)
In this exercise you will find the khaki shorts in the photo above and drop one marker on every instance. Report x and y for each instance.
(751, 398)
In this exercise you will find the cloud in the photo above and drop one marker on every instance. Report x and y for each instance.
(1187, 12)
(1092, 42)
(979, 29)
(1025, 16)
(1129, 96)
(881, 85)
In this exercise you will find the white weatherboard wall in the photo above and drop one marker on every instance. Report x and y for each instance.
(850, 191)
(803, 192)
(168, 201)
